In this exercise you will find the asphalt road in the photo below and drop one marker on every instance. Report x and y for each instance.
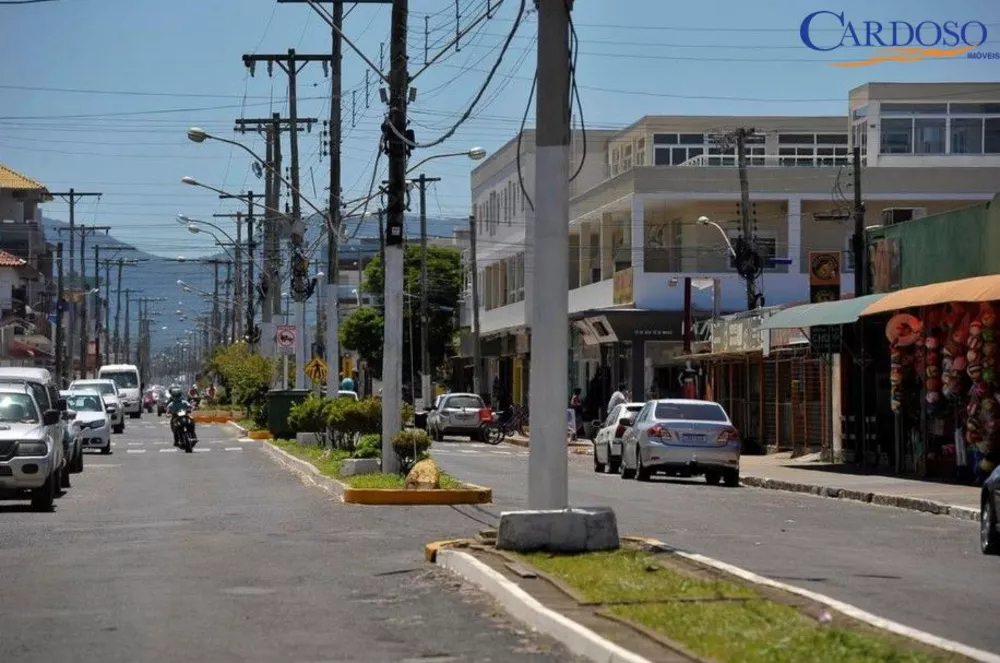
(224, 556)
(920, 570)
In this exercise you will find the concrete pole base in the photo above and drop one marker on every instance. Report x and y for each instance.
(572, 530)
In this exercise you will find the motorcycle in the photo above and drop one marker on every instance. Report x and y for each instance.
(185, 431)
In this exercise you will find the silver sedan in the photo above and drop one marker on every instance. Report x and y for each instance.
(681, 437)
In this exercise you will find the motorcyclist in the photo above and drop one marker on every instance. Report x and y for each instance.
(175, 405)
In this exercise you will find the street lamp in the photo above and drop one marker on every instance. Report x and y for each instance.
(705, 221)
(474, 153)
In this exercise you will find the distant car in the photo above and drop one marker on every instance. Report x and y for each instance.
(129, 386)
(682, 437)
(149, 400)
(457, 414)
(92, 420)
(343, 393)
(109, 391)
(608, 441)
(989, 522)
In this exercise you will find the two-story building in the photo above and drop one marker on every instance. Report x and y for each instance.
(635, 205)
(26, 291)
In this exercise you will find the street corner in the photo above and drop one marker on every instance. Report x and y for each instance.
(431, 549)
(259, 435)
(466, 494)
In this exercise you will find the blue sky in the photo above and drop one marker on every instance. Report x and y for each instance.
(138, 73)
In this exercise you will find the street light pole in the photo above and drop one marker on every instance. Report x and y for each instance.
(425, 321)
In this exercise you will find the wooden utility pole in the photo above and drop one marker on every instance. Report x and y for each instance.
(73, 197)
(60, 303)
(84, 231)
(251, 332)
(748, 251)
(858, 245)
(237, 299)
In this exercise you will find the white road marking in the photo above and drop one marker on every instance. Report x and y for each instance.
(468, 451)
(92, 465)
(168, 451)
(201, 451)
(135, 451)
(234, 448)
(245, 439)
(135, 444)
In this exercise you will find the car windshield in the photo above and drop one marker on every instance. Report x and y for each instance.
(457, 402)
(106, 388)
(124, 379)
(18, 409)
(85, 403)
(691, 411)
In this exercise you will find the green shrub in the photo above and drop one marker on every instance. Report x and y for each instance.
(309, 416)
(369, 446)
(410, 445)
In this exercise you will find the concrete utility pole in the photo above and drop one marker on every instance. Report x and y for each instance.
(84, 231)
(333, 233)
(60, 294)
(748, 260)
(252, 334)
(237, 299)
(227, 297)
(127, 345)
(73, 197)
(398, 151)
(301, 287)
(117, 345)
(426, 386)
(548, 486)
(860, 249)
(474, 277)
(109, 349)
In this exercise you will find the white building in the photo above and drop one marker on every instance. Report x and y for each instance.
(926, 148)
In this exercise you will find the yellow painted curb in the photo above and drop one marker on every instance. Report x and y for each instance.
(210, 419)
(432, 548)
(259, 435)
(404, 497)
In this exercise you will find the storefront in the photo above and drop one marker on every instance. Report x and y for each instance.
(936, 364)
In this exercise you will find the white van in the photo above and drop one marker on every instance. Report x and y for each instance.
(126, 377)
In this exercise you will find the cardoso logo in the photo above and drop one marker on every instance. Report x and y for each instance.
(896, 41)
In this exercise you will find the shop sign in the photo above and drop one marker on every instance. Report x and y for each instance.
(737, 335)
(622, 291)
(783, 338)
(825, 339)
(653, 333)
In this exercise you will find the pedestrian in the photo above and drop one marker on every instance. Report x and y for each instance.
(619, 397)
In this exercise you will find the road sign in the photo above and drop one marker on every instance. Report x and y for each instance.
(825, 339)
(286, 339)
(316, 370)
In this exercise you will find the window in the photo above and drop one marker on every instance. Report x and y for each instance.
(900, 110)
(18, 409)
(124, 379)
(692, 139)
(897, 136)
(464, 403)
(796, 139)
(627, 157)
(991, 136)
(975, 109)
(929, 135)
(691, 412)
(664, 139)
(640, 152)
(767, 246)
(859, 113)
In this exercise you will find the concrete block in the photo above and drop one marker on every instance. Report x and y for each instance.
(311, 439)
(355, 466)
(573, 530)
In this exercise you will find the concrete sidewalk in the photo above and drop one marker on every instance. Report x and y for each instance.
(780, 472)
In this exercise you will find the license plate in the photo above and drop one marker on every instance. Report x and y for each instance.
(693, 438)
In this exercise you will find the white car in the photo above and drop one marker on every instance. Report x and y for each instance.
(126, 378)
(91, 420)
(109, 391)
(351, 395)
(457, 414)
(32, 457)
(608, 441)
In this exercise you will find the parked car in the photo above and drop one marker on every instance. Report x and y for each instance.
(457, 414)
(46, 394)
(129, 384)
(989, 522)
(682, 437)
(109, 392)
(32, 459)
(92, 420)
(608, 441)
(162, 397)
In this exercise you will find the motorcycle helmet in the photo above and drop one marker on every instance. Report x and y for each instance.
(175, 392)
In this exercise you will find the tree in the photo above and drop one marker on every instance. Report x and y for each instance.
(363, 330)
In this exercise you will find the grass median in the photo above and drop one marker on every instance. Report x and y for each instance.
(328, 462)
(721, 620)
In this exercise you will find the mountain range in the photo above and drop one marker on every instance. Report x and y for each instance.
(156, 276)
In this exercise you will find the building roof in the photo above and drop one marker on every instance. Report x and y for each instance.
(11, 260)
(11, 179)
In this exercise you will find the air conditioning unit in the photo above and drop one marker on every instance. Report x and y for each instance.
(894, 215)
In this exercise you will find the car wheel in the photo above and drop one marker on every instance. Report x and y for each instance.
(135, 415)
(119, 429)
(624, 472)
(79, 462)
(732, 478)
(106, 451)
(713, 478)
(989, 541)
(43, 498)
(64, 480)
(614, 462)
(598, 465)
(641, 473)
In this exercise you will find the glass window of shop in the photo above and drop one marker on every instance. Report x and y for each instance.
(937, 128)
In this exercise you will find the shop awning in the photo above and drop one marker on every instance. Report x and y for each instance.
(840, 312)
(976, 289)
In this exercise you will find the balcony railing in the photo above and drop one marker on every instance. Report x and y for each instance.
(767, 160)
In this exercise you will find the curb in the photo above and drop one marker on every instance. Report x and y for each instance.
(584, 449)
(880, 499)
(305, 470)
(403, 497)
(241, 429)
(844, 608)
(378, 496)
(259, 435)
(578, 639)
